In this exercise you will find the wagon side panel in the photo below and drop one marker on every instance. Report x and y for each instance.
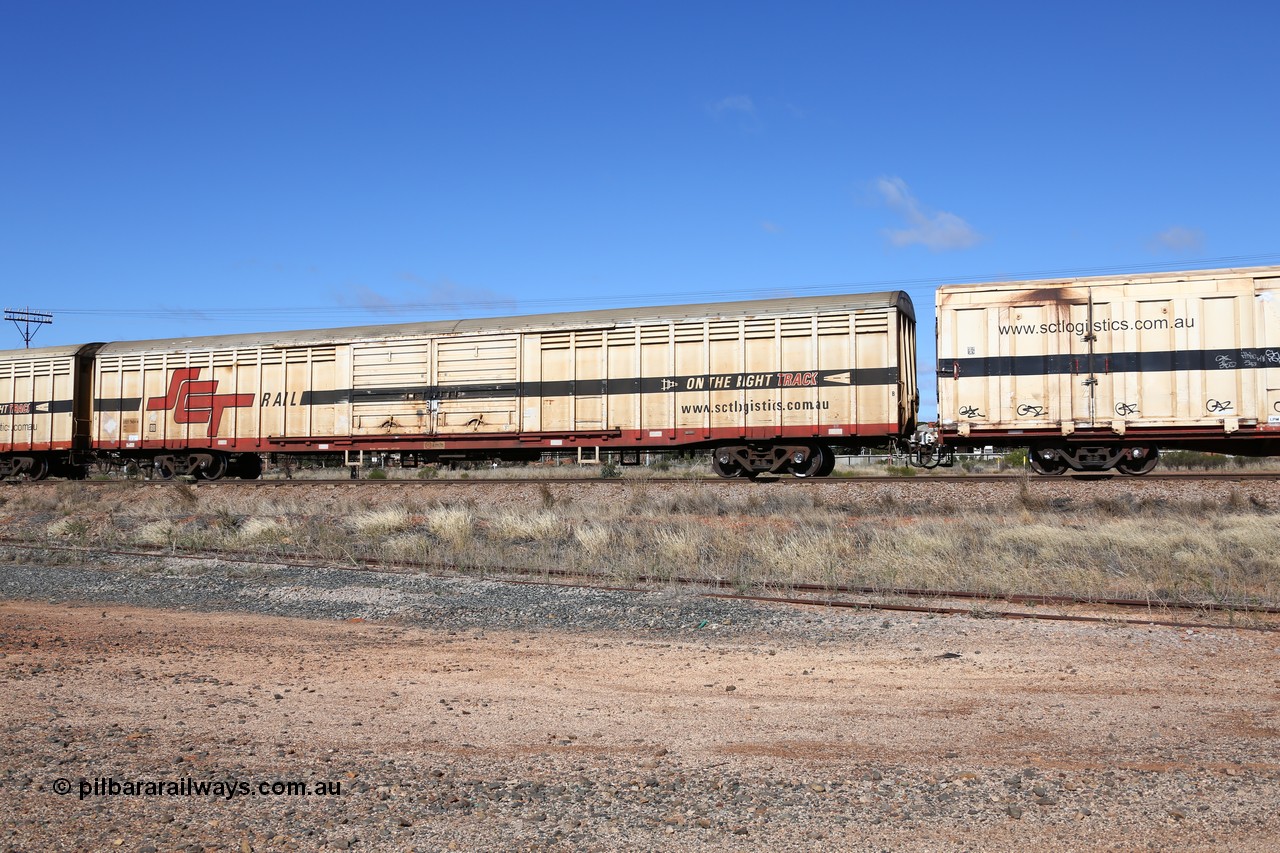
(118, 401)
(691, 374)
(1174, 359)
(838, 379)
(969, 368)
(798, 380)
(657, 383)
(555, 383)
(390, 388)
(590, 388)
(477, 385)
(36, 401)
(876, 366)
(763, 361)
(622, 383)
(1231, 364)
(1267, 309)
(908, 373)
(1180, 357)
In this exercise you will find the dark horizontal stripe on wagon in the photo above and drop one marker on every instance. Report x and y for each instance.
(699, 383)
(21, 408)
(764, 381)
(1111, 362)
(306, 398)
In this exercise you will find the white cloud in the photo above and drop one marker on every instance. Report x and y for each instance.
(1178, 238)
(371, 300)
(734, 104)
(737, 111)
(424, 295)
(770, 227)
(936, 230)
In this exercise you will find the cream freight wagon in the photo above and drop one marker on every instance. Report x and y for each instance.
(1095, 373)
(772, 385)
(44, 413)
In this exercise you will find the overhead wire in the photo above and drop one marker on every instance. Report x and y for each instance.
(915, 286)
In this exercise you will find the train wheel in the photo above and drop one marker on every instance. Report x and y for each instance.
(726, 465)
(812, 465)
(73, 472)
(248, 466)
(214, 469)
(39, 469)
(830, 464)
(1046, 462)
(163, 468)
(1138, 461)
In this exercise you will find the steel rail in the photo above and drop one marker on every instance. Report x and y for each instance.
(1012, 477)
(1000, 614)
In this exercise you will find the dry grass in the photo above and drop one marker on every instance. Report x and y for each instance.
(453, 526)
(1212, 550)
(594, 539)
(378, 522)
(261, 530)
(536, 526)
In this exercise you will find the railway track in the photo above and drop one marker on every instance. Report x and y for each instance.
(816, 595)
(797, 482)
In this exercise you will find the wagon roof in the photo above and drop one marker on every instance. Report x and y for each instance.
(1125, 278)
(41, 352)
(606, 318)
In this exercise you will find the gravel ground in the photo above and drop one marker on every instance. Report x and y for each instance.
(479, 715)
(419, 600)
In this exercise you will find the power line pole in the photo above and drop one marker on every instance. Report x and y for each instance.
(25, 318)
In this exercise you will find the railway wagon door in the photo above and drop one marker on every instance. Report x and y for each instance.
(390, 384)
(1267, 302)
(556, 381)
(1227, 393)
(1089, 368)
(476, 384)
(1029, 330)
(588, 381)
(1149, 389)
(82, 399)
(966, 353)
(573, 381)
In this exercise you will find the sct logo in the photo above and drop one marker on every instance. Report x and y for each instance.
(194, 401)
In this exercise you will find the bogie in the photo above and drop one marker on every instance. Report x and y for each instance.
(1053, 460)
(34, 467)
(752, 460)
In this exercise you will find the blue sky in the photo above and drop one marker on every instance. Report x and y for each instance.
(173, 168)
